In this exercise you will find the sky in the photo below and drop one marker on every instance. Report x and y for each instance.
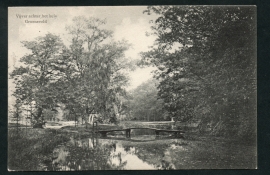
(127, 22)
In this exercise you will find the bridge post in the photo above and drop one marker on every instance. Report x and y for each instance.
(127, 133)
(180, 135)
(95, 125)
(103, 134)
(176, 134)
(157, 133)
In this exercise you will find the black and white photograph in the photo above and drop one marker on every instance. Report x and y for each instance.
(132, 87)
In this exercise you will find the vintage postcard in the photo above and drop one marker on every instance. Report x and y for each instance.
(132, 88)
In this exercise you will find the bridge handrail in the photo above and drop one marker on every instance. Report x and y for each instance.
(156, 129)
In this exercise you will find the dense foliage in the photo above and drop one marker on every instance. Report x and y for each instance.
(144, 104)
(33, 78)
(87, 77)
(206, 61)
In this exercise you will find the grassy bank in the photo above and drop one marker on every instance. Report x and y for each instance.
(211, 152)
(16, 125)
(30, 148)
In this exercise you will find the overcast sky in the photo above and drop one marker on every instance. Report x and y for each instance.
(125, 21)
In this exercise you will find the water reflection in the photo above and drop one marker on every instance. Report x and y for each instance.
(144, 152)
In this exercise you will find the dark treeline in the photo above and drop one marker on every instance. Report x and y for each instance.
(206, 64)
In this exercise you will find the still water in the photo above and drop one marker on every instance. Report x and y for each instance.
(115, 152)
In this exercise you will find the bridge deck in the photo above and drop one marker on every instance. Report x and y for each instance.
(128, 129)
(111, 130)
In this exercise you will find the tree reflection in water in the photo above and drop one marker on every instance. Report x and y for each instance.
(110, 154)
(86, 154)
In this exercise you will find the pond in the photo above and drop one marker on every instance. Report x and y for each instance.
(115, 152)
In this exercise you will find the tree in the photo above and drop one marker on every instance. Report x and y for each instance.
(95, 75)
(144, 103)
(87, 77)
(33, 78)
(206, 60)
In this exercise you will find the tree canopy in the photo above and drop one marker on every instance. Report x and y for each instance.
(206, 61)
(144, 103)
(88, 76)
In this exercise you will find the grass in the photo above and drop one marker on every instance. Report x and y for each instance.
(29, 149)
(206, 152)
(15, 125)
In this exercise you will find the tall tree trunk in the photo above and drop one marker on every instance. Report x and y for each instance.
(39, 117)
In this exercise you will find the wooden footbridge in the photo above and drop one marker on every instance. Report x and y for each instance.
(128, 130)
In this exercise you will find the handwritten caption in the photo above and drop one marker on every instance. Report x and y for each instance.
(33, 18)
